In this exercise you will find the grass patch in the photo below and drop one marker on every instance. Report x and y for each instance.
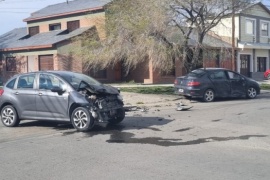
(265, 86)
(149, 90)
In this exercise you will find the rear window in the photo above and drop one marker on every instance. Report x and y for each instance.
(197, 73)
(11, 84)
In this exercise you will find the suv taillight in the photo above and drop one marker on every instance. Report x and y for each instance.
(193, 83)
(1, 92)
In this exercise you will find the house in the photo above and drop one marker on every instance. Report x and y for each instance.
(46, 41)
(252, 39)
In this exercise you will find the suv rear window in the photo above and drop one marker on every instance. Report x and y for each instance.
(11, 84)
(197, 73)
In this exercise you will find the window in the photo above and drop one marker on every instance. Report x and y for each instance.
(234, 76)
(250, 26)
(46, 62)
(11, 64)
(73, 25)
(33, 30)
(261, 64)
(264, 29)
(26, 81)
(11, 84)
(48, 82)
(218, 75)
(53, 27)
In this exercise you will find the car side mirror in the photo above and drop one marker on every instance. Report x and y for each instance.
(58, 90)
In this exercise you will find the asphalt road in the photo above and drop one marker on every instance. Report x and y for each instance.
(226, 139)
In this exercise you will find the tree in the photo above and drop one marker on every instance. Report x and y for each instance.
(134, 33)
(199, 17)
(137, 30)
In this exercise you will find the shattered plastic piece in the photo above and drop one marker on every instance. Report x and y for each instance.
(182, 107)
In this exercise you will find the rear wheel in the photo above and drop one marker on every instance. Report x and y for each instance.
(268, 76)
(81, 119)
(251, 93)
(9, 116)
(209, 95)
(119, 117)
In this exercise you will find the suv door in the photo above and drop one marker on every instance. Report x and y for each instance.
(51, 105)
(221, 83)
(238, 83)
(25, 96)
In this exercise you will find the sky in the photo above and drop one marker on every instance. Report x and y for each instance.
(12, 12)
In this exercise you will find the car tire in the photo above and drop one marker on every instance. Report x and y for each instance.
(209, 95)
(9, 116)
(119, 117)
(81, 119)
(268, 76)
(251, 93)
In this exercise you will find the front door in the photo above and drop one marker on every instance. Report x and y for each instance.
(221, 83)
(245, 65)
(51, 105)
(238, 84)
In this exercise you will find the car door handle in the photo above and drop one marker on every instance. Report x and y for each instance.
(40, 94)
(16, 93)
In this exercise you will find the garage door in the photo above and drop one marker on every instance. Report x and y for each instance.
(46, 62)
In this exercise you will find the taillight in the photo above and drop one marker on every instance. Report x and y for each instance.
(175, 81)
(193, 83)
(1, 92)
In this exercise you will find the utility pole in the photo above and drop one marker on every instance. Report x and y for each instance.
(233, 36)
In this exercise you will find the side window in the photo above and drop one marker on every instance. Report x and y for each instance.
(218, 75)
(49, 81)
(234, 76)
(11, 84)
(26, 81)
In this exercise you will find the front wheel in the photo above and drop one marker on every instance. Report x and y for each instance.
(119, 117)
(251, 93)
(268, 76)
(81, 119)
(9, 116)
(209, 95)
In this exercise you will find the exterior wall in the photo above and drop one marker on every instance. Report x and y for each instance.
(257, 10)
(224, 28)
(87, 20)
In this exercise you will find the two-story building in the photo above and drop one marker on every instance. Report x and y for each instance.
(46, 42)
(252, 35)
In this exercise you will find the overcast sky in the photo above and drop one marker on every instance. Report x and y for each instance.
(12, 12)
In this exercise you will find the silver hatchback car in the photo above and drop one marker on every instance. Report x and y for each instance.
(60, 96)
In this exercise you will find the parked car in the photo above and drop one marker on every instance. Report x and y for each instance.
(60, 96)
(267, 74)
(1, 82)
(209, 83)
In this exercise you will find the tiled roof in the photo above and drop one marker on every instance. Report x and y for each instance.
(19, 39)
(67, 8)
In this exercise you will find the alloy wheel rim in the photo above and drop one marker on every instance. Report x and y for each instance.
(80, 119)
(252, 92)
(209, 95)
(8, 116)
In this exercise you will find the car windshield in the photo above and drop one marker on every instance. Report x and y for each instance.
(76, 78)
(197, 73)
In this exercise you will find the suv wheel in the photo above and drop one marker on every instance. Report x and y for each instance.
(251, 93)
(81, 119)
(9, 116)
(209, 95)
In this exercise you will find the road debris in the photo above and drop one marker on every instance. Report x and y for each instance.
(182, 107)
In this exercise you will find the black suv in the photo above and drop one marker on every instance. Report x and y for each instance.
(60, 96)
